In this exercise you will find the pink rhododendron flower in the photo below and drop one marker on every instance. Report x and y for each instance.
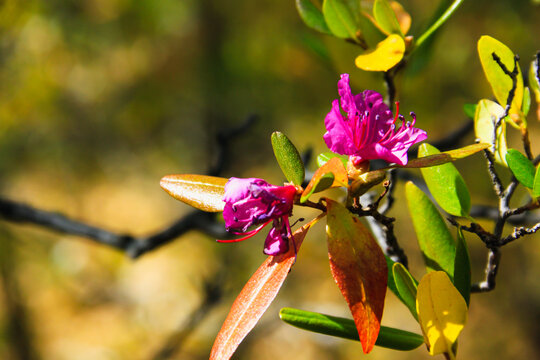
(255, 202)
(368, 130)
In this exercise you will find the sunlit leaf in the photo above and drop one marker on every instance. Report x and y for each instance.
(444, 157)
(345, 328)
(534, 79)
(403, 17)
(536, 186)
(462, 267)
(485, 118)
(200, 191)
(469, 110)
(288, 158)
(366, 181)
(442, 312)
(446, 184)
(526, 106)
(434, 238)
(406, 286)
(323, 158)
(522, 168)
(312, 16)
(385, 56)
(359, 268)
(386, 17)
(331, 174)
(340, 18)
(499, 81)
(255, 298)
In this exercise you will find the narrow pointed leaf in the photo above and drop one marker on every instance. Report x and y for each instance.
(486, 116)
(536, 185)
(526, 106)
(434, 238)
(312, 16)
(386, 17)
(390, 282)
(288, 158)
(522, 168)
(255, 297)
(499, 81)
(462, 268)
(390, 338)
(331, 174)
(324, 157)
(444, 157)
(406, 286)
(340, 18)
(359, 268)
(200, 191)
(442, 312)
(446, 184)
(385, 56)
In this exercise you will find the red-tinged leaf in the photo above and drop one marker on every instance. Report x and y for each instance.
(359, 268)
(200, 191)
(331, 174)
(255, 297)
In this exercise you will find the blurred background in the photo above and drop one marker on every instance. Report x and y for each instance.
(101, 98)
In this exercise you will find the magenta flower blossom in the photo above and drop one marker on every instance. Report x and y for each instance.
(255, 202)
(368, 130)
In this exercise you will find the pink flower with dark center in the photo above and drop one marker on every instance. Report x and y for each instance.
(253, 201)
(368, 130)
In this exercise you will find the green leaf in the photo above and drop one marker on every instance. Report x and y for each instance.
(344, 328)
(386, 17)
(331, 174)
(387, 54)
(485, 118)
(469, 110)
(390, 282)
(522, 168)
(436, 242)
(323, 158)
(288, 158)
(438, 23)
(406, 286)
(340, 19)
(534, 79)
(499, 81)
(536, 186)
(200, 191)
(444, 157)
(462, 267)
(312, 16)
(526, 106)
(446, 184)
(371, 33)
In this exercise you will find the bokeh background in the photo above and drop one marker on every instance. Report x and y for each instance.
(101, 98)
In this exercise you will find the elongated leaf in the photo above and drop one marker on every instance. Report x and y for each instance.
(385, 56)
(371, 32)
(403, 17)
(499, 81)
(340, 19)
(406, 286)
(526, 106)
(444, 157)
(521, 167)
(442, 312)
(200, 191)
(438, 23)
(462, 267)
(255, 297)
(536, 185)
(331, 174)
(436, 242)
(446, 184)
(312, 16)
(345, 328)
(359, 268)
(534, 79)
(486, 116)
(288, 158)
(366, 181)
(391, 284)
(323, 158)
(386, 17)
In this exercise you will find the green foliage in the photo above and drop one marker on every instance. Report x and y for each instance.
(324, 157)
(340, 18)
(312, 16)
(385, 17)
(345, 328)
(462, 267)
(288, 158)
(406, 285)
(521, 167)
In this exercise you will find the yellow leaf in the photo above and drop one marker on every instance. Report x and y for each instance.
(385, 56)
(487, 113)
(442, 312)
